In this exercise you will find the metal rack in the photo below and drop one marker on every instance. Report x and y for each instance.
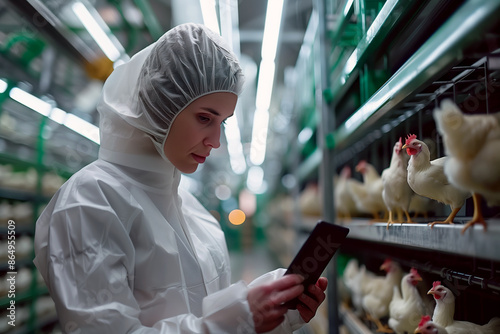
(452, 61)
(440, 238)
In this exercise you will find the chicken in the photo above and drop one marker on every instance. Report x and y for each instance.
(427, 326)
(344, 202)
(427, 178)
(407, 307)
(444, 313)
(396, 192)
(310, 201)
(368, 195)
(420, 205)
(355, 279)
(379, 291)
(472, 143)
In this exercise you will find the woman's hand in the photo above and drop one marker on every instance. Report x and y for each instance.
(267, 301)
(310, 302)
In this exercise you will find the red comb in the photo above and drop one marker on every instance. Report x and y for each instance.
(414, 271)
(435, 284)
(425, 319)
(410, 138)
(401, 141)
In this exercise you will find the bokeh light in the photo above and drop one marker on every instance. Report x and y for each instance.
(237, 217)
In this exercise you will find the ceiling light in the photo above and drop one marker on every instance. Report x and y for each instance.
(82, 127)
(97, 30)
(265, 84)
(30, 101)
(210, 15)
(272, 29)
(255, 180)
(58, 115)
(266, 81)
(3, 86)
(259, 136)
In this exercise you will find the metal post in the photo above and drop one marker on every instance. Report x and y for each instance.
(327, 166)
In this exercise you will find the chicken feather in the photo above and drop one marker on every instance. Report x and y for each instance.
(407, 307)
(427, 178)
(472, 143)
(445, 310)
(396, 192)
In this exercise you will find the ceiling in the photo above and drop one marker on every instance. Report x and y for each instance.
(46, 48)
(137, 23)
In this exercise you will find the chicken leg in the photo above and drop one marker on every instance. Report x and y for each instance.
(381, 328)
(477, 218)
(448, 220)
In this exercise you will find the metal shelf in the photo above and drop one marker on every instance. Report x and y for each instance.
(352, 322)
(475, 242)
(443, 50)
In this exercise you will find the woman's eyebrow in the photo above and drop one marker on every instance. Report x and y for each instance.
(212, 111)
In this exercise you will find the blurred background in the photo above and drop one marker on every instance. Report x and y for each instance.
(329, 84)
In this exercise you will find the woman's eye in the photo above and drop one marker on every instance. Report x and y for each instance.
(203, 119)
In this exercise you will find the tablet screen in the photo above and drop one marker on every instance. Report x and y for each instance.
(317, 251)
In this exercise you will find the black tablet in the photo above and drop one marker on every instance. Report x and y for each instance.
(317, 251)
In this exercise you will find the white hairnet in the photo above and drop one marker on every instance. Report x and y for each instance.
(149, 91)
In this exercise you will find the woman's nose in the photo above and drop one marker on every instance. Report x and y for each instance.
(213, 139)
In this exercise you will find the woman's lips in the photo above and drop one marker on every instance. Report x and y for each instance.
(198, 158)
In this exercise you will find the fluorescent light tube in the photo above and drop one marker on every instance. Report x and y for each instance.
(272, 29)
(210, 15)
(3, 86)
(82, 127)
(30, 101)
(96, 31)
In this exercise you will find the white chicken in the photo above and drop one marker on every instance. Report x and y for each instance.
(356, 278)
(310, 202)
(379, 291)
(472, 143)
(406, 308)
(368, 195)
(396, 192)
(420, 205)
(427, 326)
(427, 178)
(345, 206)
(444, 313)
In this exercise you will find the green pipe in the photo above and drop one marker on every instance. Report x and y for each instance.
(150, 19)
(385, 21)
(439, 52)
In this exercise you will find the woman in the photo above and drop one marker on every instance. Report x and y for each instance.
(121, 247)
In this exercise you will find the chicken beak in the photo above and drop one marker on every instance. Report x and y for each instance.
(404, 147)
(417, 331)
(431, 292)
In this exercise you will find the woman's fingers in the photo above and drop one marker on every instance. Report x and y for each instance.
(310, 302)
(266, 301)
(322, 283)
(281, 297)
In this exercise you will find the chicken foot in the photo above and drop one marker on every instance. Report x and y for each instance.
(381, 328)
(477, 218)
(400, 218)
(448, 220)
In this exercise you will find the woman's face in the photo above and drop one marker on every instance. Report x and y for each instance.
(197, 129)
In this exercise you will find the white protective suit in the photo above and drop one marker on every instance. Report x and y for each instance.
(122, 248)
